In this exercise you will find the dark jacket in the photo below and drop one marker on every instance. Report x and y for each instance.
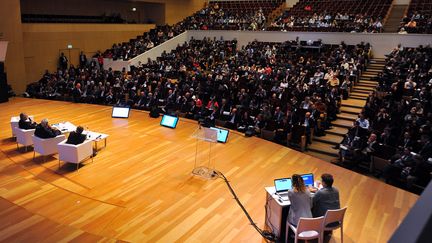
(28, 124)
(76, 138)
(43, 132)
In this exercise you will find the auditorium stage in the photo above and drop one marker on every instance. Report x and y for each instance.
(140, 188)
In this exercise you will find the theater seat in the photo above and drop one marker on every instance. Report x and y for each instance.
(46, 146)
(75, 154)
(24, 137)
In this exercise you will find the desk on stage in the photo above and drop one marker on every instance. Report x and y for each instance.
(67, 127)
(276, 213)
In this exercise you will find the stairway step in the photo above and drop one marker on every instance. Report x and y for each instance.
(364, 88)
(362, 81)
(368, 75)
(321, 156)
(357, 90)
(339, 131)
(376, 65)
(369, 71)
(329, 139)
(350, 110)
(342, 123)
(359, 94)
(377, 60)
(323, 148)
(366, 85)
(347, 116)
(358, 97)
(374, 69)
(353, 103)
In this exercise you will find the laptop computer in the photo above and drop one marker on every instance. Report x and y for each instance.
(282, 185)
(308, 179)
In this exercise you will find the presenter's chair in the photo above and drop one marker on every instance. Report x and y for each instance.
(24, 137)
(46, 146)
(14, 123)
(75, 154)
(308, 229)
(334, 220)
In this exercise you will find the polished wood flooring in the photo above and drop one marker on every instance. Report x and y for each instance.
(140, 188)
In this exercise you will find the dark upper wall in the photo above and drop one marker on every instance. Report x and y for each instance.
(145, 12)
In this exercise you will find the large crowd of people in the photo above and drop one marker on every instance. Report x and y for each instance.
(212, 17)
(396, 121)
(271, 86)
(416, 22)
(340, 22)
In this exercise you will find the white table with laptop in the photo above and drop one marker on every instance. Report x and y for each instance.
(278, 204)
(67, 127)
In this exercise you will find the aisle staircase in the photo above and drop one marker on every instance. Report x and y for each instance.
(394, 18)
(322, 147)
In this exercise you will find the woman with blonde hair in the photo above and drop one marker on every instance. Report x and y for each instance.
(301, 201)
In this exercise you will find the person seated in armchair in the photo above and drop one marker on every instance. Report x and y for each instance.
(44, 130)
(25, 122)
(76, 137)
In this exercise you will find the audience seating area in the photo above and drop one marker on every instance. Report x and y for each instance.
(44, 18)
(392, 137)
(419, 17)
(334, 16)
(249, 6)
(288, 90)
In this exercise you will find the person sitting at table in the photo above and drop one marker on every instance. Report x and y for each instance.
(26, 123)
(44, 130)
(325, 198)
(300, 199)
(76, 137)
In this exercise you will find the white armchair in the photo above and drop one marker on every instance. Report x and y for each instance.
(75, 154)
(24, 137)
(46, 146)
(14, 123)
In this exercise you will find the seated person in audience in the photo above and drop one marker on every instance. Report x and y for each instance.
(25, 122)
(363, 124)
(300, 199)
(44, 130)
(368, 150)
(76, 137)
(395, 169)
(233, 119)
(325, 198)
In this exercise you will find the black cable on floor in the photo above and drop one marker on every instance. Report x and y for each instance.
(268, 236)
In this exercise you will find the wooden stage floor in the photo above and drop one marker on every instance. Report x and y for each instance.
(140, 188)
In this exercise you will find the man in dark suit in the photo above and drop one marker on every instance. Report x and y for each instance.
(44, 130)
(325, 198)
(76, 137)
(26, 123)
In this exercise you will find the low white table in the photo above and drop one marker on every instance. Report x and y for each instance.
(64, 127)
(96, 137)
(276, 213)
(67, 127)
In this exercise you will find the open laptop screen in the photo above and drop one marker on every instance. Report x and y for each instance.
(169, 121)
(308, 179)
(120, 112)
(222, 134)
(283, 184)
